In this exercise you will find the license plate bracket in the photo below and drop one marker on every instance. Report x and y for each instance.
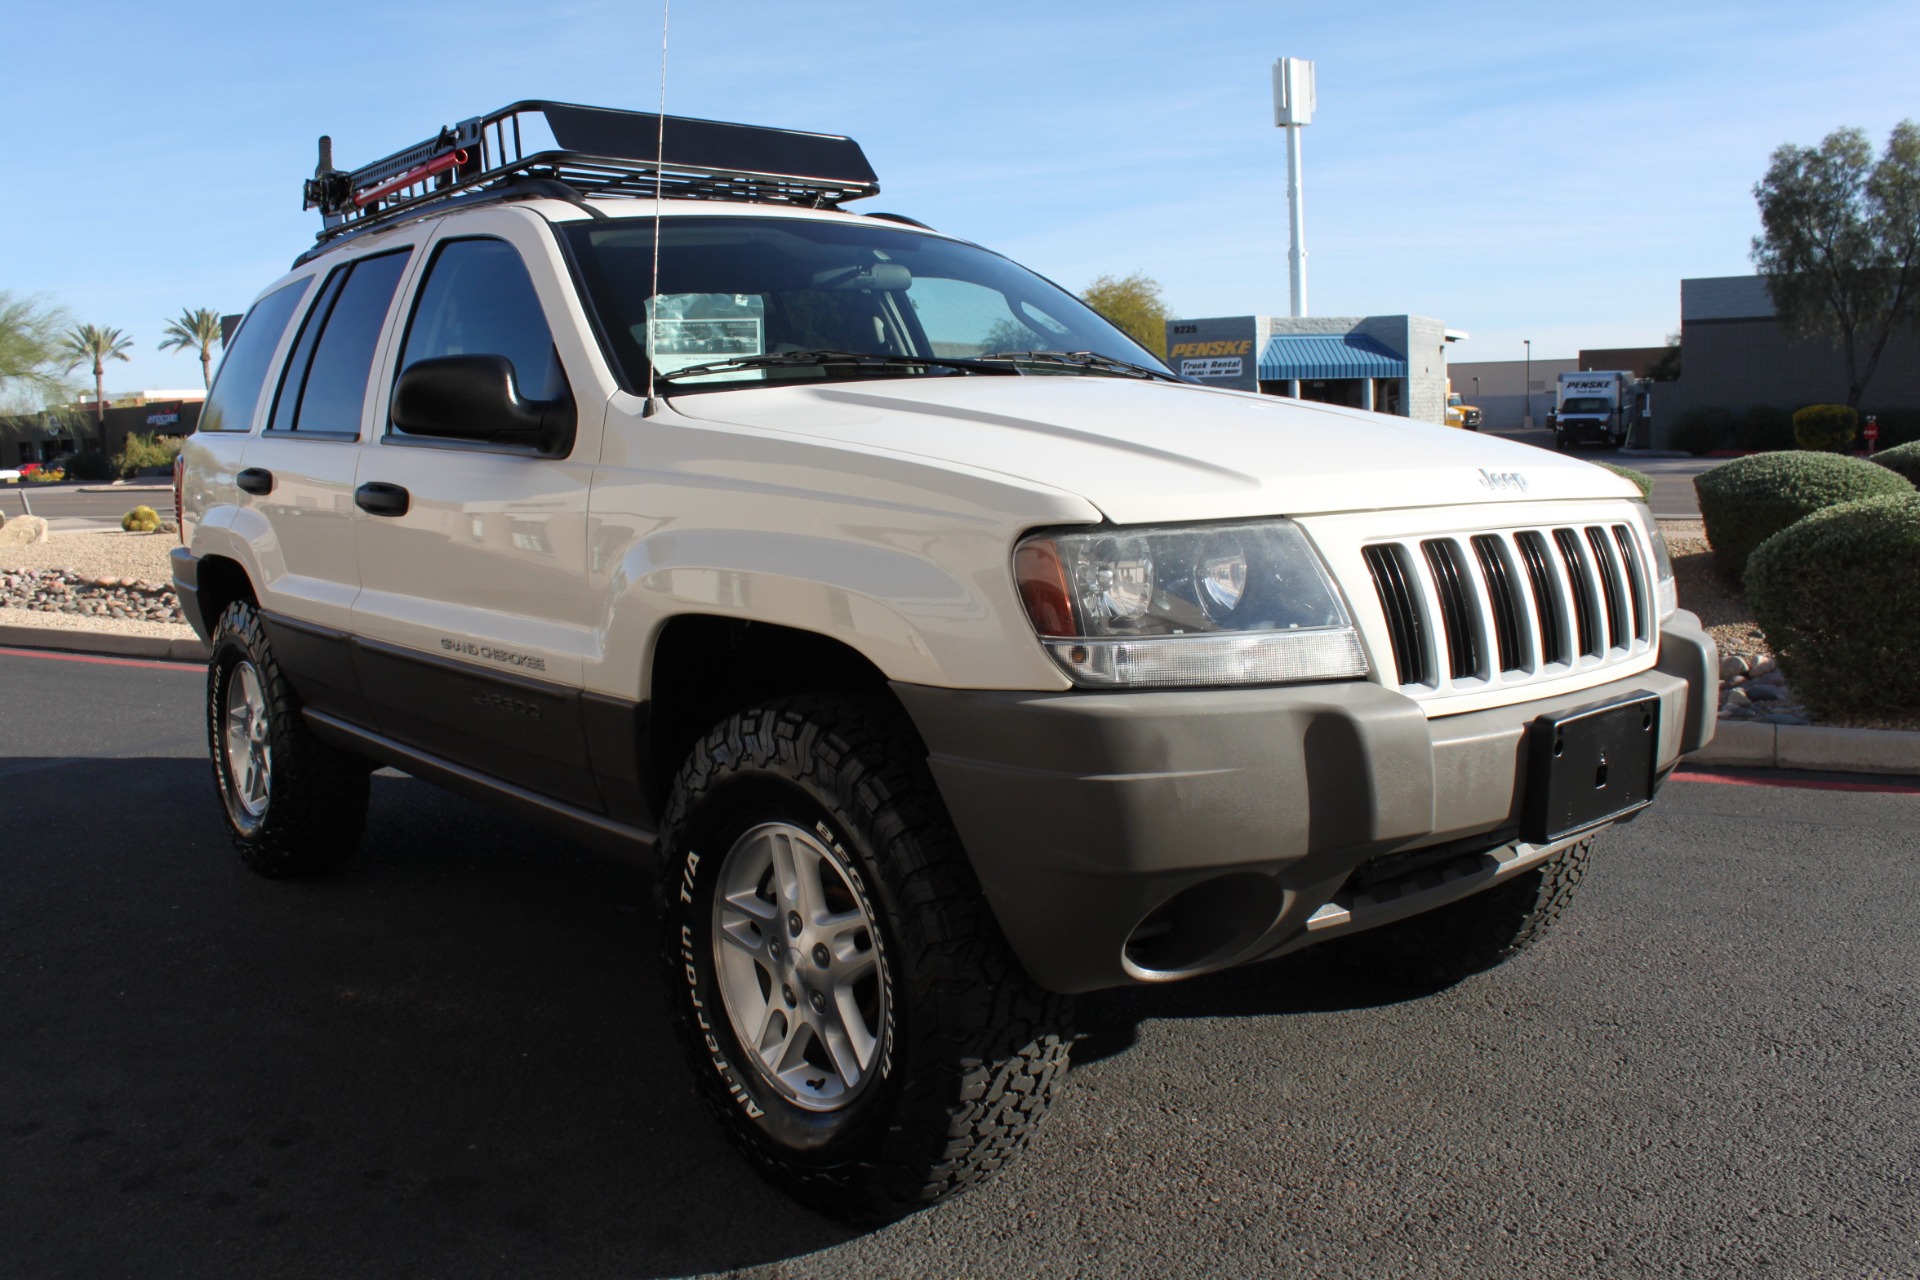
(1590, 766)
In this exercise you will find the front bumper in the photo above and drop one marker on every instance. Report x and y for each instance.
(1243, 820)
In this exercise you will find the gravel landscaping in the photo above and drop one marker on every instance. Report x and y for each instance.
(110, 581)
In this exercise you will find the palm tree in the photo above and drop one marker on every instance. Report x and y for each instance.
(86, 342)
(195, 330)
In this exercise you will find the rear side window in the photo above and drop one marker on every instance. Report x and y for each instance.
(479, 300)
(236, 391)
(325, 384)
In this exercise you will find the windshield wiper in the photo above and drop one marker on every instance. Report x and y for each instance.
(829, 358)
(1090, 360)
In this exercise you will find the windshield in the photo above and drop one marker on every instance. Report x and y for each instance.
(1587, 404)
(769, 293)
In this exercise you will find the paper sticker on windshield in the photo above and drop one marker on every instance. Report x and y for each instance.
(680, 343)
(699, 328)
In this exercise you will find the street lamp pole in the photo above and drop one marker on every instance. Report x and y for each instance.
(1526, 415)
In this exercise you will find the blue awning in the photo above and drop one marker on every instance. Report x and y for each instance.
(1327, 355)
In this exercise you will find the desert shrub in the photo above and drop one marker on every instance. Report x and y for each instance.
(88, 464)
(1904, 459)
(147, 451)
(1701, 429)
(44, 475)
(1765, 426)
(1748, 500)
(1898, 426)
(1640, 478)
(140, 520)
(1828, 428)
(1838, 595)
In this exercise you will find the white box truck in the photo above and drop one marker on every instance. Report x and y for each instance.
(1595, 407)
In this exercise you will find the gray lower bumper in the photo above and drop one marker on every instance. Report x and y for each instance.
(1083, 812)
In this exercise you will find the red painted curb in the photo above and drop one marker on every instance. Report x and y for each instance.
(1805, 784)
(111, 662)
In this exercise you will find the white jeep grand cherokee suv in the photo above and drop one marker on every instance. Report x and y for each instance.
(944, 652)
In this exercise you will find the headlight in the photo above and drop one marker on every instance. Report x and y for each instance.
(1663, 590)
(1226, 604)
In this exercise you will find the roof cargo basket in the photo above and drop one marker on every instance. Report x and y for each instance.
(594, 151)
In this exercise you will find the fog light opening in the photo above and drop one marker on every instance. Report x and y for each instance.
(1201, 927)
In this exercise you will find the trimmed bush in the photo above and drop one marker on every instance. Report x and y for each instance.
(1640, 478)
(1897, 426)
(140, 520)
(1903, 459)
(1838, 595)
(1748, 500)
(1828, 428)
(1765, 426)
(1701, 429)
(143, 452)
(88, 464)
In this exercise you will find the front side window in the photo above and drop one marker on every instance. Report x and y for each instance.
(479, 300)
(243, 373)
(771, 293)
(325, 386)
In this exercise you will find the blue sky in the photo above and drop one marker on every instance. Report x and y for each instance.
(1512, 171)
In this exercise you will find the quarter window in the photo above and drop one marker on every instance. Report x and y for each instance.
(236, 391)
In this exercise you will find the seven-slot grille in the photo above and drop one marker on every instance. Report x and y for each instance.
(1491, 610)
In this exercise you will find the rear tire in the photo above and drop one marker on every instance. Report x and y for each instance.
(850, 1009)
(1443, 946)
(296, 806)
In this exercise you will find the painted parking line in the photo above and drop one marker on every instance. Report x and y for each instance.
(42, 654)
(1805, 784)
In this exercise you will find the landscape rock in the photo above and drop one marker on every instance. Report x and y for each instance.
(23, 531)
(1732, 667)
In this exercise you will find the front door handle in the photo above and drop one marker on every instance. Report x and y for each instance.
(378, 498)
(255, 480)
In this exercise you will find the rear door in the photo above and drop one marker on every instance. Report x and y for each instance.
(298, 473)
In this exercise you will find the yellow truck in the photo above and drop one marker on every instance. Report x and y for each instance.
(1460, 413)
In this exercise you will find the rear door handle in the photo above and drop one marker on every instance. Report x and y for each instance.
(255, 480)
(378, 498)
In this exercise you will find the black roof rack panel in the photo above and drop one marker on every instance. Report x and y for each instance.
(596, 151)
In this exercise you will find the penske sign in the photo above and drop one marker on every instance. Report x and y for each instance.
(1211, 359)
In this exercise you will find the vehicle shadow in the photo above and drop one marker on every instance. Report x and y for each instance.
(452, 1058)
(1322, 980)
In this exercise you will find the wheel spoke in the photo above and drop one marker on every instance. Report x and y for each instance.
(844, 1034)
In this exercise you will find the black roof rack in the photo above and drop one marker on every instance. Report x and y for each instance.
(595, 151)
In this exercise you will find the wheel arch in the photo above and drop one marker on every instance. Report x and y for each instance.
(704, 667)
(222, 580)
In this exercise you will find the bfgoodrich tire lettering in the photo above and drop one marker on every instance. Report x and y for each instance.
(295, 805)
(965, 1050)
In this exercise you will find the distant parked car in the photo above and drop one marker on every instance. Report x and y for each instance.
(13, 477)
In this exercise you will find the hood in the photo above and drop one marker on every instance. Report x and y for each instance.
(1145, 452)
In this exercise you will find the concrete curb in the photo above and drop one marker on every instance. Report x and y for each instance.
(111, 643)
(123, 488)
(1811, 746)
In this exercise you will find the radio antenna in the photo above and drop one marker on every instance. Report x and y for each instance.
(659, 177)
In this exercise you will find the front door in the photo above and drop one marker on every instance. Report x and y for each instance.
(473, 618)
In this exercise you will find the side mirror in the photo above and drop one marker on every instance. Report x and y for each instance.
(474, 398)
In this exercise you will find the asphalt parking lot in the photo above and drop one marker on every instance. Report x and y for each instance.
(454, 1060)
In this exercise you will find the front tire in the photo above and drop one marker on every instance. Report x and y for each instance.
(1441, 947)
(849, 1006)
(296, 806)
